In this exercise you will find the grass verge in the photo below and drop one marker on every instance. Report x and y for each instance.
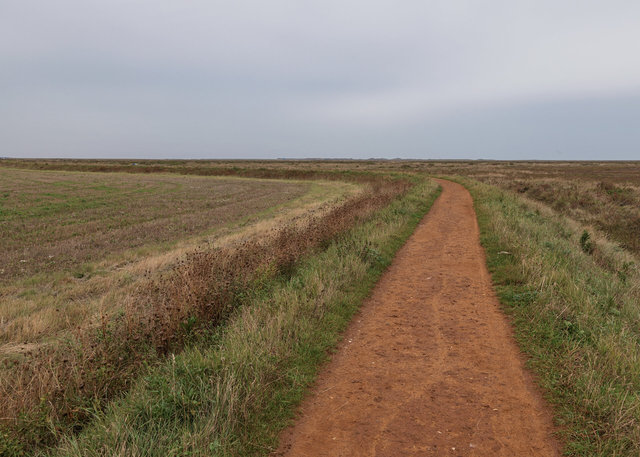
(55, 390)
(233, 389)
(575, 313)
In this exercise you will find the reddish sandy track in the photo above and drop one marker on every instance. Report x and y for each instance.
(429, 366)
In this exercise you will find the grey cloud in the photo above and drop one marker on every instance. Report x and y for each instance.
(89, 78)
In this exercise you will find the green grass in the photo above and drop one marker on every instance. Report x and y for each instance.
(231, 392)
(576, 314)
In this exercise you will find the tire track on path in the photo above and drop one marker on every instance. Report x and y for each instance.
(429, 366)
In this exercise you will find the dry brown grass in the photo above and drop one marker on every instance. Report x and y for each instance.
(35, 308)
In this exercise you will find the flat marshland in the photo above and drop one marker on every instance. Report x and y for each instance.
(162, 309)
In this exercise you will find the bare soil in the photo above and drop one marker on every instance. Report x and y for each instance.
(429, 366)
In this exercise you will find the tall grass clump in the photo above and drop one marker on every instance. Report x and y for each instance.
(574, 299)
(233, 388)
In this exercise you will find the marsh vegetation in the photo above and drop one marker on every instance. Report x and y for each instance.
(170, 308)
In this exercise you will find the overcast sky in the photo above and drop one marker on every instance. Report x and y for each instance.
(512, 79)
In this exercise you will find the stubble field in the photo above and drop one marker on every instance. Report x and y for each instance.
(70, 241)
(56, 220)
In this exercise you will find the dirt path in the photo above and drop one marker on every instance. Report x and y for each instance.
(429, 366)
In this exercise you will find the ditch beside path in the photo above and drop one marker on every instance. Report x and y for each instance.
(429, 366)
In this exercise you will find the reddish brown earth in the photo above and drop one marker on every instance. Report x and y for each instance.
(429, 366)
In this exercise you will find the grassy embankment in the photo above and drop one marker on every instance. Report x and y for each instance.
(50, 315)
(574, 302)
(232, 389)
(611, 204)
